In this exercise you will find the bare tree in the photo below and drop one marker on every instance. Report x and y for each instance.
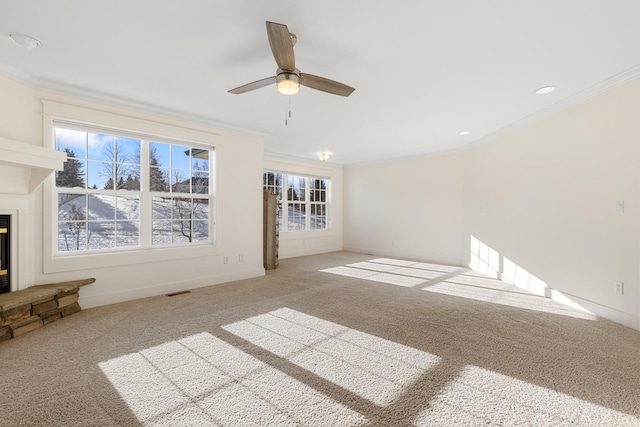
(75, 220)
(117, 169)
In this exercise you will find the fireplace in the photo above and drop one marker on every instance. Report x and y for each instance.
(5, 260)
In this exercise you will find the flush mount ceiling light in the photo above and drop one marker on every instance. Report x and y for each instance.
(323, 156)
(465, 133)
(24, 40)
(545, 89)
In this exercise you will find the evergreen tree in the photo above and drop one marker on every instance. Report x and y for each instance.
(109, 184)
(157, 179)
(132, 183)
(120, 183)
(72, 175)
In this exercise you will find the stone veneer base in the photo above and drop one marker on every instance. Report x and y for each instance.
(29, 309)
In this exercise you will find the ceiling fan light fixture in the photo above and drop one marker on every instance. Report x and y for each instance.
(288, 83)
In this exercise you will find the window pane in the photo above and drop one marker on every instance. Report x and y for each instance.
(73, 174)
(161, 208)
(128, 207)
(296, 188)
(318, 217)
(200, 231)
(72, 236)
(182, 209)
(297, 218)
(182, 231)
(161, 232)
(200, 159)
(101, 147)
(132, 181)
(102, 235)
(158, 179)
(200, 182)
(128, 150)
(72, 207)
(180, 157)
(73, 141)
(159, 154)
(180, 181)
(99, 174)
(102, 207)
(127, 233)
(201, 208)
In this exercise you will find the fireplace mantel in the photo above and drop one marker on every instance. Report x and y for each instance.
(36, 162)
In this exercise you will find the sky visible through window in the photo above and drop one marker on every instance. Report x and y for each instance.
(107, 179)
(95, 151)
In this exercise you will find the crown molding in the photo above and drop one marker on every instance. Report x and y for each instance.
(123, 102)
(118, 101)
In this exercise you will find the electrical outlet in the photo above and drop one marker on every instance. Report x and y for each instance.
(620, 206)
(619, 288)
(225, 259)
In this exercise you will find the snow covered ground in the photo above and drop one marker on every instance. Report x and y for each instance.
(96, 222)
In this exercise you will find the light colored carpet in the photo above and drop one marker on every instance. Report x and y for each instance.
(339, 339)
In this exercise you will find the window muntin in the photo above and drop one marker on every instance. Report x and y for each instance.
(121, 192)
(303, 198)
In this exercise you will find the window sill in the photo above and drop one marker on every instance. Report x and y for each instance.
(75, 262)
(307, 234)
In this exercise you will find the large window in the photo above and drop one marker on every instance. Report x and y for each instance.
(302, 200)
(120, 191)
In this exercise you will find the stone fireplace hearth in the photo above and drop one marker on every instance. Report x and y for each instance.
(32, 308)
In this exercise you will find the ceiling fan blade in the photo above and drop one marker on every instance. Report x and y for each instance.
(254, 85)
(325, 85)
(281, 46)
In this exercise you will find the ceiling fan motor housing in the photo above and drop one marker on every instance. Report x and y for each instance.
(285, 75)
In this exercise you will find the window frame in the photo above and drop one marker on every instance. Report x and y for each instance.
(284, 202)
(88, 119)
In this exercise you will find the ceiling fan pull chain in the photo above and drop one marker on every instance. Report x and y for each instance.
(287, 119)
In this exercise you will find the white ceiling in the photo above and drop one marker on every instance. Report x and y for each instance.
(423, 70)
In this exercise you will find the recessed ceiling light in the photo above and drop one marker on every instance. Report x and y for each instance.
(545, 89)
(25, 41)
(465, 133)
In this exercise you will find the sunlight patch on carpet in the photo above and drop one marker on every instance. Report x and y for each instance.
(519, 288)
(373, 368)
(203, 380)
(509, 297)
(482, 397)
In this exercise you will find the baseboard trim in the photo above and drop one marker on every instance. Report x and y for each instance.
(625, 319)
(457, 262)
(315, 251)
(164, 288)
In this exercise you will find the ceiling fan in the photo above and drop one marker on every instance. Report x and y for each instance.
(288, 78)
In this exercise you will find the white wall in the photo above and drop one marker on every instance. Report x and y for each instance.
(541, 200)
(410, 209)
(300, 243)
(238, 203)
(545, 197)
